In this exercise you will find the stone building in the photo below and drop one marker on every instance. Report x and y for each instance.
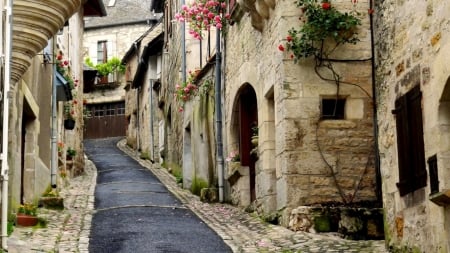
(412, 91)
(313, 138)
(106, 38)
(32, 134)
(143, 61)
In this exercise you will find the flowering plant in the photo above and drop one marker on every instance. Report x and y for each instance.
(233, 156)
(62, 66)
(322, 22)
(69, 111)
(185, 91)
(28, 209)
(202, 14)
(60, 146)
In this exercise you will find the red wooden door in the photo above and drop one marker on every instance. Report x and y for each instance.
(248, 119)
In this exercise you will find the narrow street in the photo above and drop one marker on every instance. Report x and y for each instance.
(136, 213)
(121, 206)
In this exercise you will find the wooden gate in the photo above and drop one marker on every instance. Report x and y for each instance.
(106, 120)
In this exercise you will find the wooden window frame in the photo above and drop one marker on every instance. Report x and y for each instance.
(102, 47)
(410, 144)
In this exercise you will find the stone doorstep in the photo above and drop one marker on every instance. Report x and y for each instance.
(349, 222)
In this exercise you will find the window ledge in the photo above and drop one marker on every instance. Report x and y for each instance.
(441, 198)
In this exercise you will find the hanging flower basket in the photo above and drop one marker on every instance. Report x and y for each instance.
(69, 124)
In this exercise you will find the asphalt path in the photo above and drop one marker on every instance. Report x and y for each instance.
(134, 212)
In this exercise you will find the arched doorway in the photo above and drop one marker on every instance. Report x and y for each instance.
(248, 122)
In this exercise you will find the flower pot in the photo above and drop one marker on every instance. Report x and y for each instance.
(69, 124)
(26, 220)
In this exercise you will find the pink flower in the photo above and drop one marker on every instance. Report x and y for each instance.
(217, 19)
(281, 48)
(289, 38)
(186, 89)
(219, 25)
(180, 109)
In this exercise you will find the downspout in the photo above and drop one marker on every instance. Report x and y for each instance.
(218, 106)
(54, 162)
(5, 130)
(138, 135)
(151, 120)
(375, 117)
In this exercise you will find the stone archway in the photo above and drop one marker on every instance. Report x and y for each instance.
(444, 130)
(443, 171)
(244, 119)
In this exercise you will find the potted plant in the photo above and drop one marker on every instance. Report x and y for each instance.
(60, 148)
(69, 121)
(27, 215)
(70, 153)
(112, 66)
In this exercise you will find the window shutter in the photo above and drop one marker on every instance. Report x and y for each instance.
(416, 136)
(401, 116)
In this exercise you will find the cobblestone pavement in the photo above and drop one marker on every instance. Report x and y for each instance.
(68, 230)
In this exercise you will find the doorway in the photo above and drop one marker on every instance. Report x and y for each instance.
(248, 121)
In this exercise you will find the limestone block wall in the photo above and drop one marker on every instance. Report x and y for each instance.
(172, 120)
(297, 150)
(412, 48)
(119, 39)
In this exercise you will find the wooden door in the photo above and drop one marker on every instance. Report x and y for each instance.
(248, 118)
(106, 120)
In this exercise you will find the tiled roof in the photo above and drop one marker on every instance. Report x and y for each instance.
(122, 12)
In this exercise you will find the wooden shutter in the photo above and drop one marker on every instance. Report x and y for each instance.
(410, 144)
(401, 117)
(416, 135)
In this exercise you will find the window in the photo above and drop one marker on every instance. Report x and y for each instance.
(333, 108)
(102, 52)
(411, 154)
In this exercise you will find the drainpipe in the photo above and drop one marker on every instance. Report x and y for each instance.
(138, 133)
(218, 106)
(151, 120)
(375, 117)
(5, 130)
(54, 162)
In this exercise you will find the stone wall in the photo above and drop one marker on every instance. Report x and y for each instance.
(119, 39)
(172, 126)
(414, 50)
(298, 151)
